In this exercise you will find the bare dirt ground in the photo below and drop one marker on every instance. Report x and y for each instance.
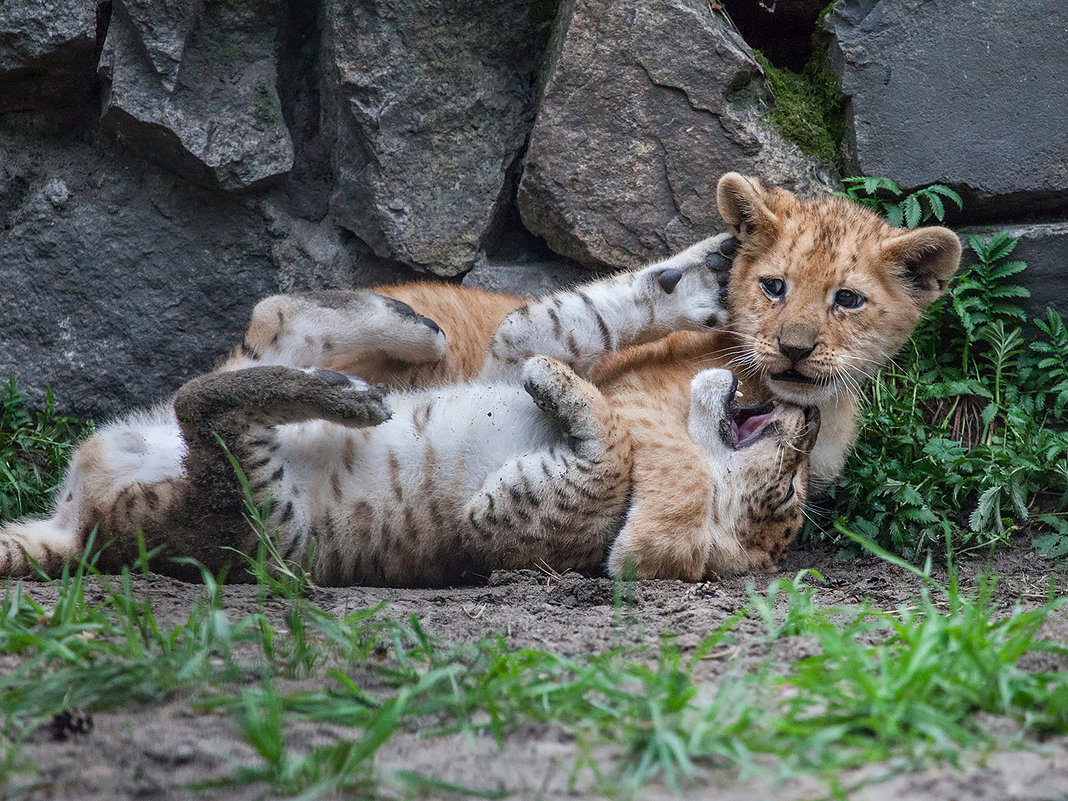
(155, 753)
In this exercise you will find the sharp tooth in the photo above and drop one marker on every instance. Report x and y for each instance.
(737, 394)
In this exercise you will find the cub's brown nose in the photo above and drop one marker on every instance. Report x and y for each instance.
(797, 339)
(795, 353)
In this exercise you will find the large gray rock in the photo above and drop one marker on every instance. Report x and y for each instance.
(1044, 246)
(191, 86)
(432, 104)
(47, 52)
(119, 282)
(969, 94)
(645, 104)
(526, 278)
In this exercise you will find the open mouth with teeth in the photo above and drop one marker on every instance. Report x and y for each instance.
(747, 425)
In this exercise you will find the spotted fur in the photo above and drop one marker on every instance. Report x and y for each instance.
(456, 482)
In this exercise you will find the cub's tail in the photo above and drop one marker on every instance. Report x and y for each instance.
(47, 542)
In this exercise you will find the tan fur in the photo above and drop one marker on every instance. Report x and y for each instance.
(469, 316)
(691, 516)
(817, 246)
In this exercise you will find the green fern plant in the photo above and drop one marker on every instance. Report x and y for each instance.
(1053, 360)
(961, 435)
(900, 210)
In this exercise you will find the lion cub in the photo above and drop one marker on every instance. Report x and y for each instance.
(529, 464)
(822, 293)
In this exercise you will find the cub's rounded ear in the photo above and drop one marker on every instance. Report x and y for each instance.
(929, 257)
(743, 204)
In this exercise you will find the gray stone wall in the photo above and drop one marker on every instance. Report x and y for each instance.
(972, 95)
(164, 163)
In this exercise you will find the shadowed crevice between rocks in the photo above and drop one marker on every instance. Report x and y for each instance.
(300, 87)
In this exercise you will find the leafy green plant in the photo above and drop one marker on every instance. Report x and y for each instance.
(887, 198)
(34, 449)
(964, 433)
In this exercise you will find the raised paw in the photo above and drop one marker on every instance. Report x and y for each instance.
(349, 400)
(719, 259)
(410, 336)
(340, 380)
(689, 290)
(570, 400)
(543, 379)
(358, 403)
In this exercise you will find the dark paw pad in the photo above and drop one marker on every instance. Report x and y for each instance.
(69, 722)
(717, 263)
(669, 279)
(729, 247)
(429, 323)
(333, 378)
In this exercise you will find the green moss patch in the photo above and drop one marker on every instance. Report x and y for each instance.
(808, 108)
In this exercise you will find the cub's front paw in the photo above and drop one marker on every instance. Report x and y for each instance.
(719, 257)
(689, 290)
(551, 384)
(645, 555)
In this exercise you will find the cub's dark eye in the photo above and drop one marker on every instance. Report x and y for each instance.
(774, 288)
(848, 299)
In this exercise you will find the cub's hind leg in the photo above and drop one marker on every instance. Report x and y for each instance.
(562, 505)
(339, 329)
(242, 407)
(250, 411)
(163, 476)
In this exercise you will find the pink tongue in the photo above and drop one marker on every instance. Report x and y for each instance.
(755, 423)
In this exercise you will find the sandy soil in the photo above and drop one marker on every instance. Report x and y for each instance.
(150, 753)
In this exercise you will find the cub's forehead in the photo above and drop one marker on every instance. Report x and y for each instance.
(830, 239)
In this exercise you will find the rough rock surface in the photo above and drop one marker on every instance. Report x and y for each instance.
(645, 103)
(523, 278)
(47, 52)
(253, 146)
(120, 282)
(1044, 246)
(193, 89)
(434, 101)
(969, 94)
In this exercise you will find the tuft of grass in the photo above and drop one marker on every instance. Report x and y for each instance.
(34, 450)
(904, 684)
(272, 571)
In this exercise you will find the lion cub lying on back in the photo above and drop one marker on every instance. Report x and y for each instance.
(822, 293)
(528, 464)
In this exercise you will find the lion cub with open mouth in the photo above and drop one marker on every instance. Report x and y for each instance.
(528, 464)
